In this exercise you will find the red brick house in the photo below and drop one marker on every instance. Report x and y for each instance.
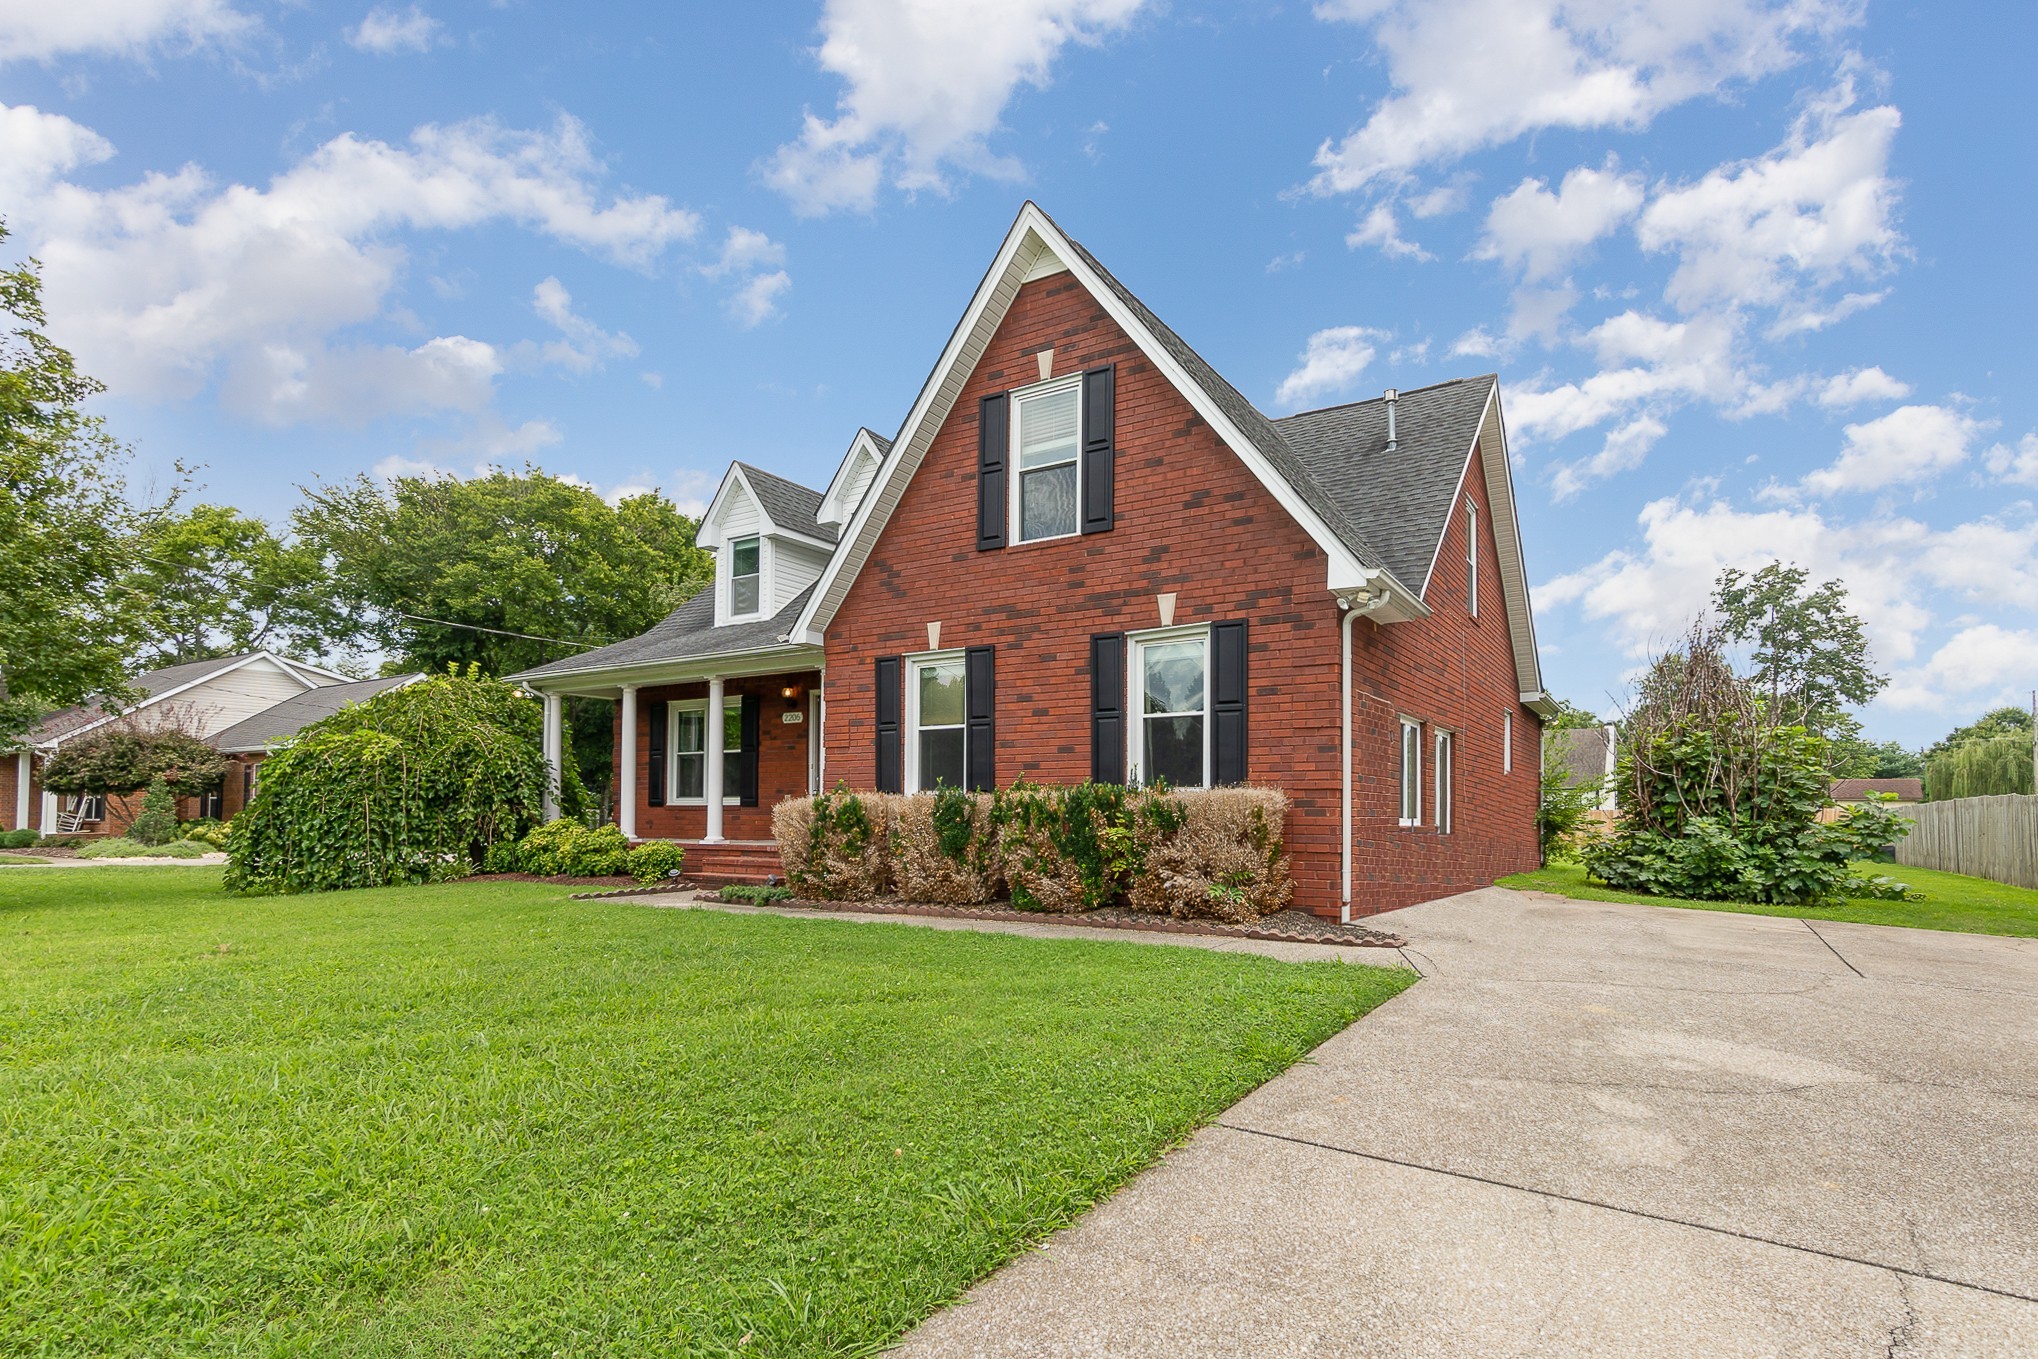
(1086, 555)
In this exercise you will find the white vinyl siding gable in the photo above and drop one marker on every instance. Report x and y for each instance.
(219, 702)
(795, 566)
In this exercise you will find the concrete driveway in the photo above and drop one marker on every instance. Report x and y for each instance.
(1593, 1130)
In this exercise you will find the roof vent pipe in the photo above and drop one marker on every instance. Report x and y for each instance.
(1393, 396)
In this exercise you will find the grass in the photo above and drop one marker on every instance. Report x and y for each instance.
(483, 1119)
(1953, 901)
(9, 857)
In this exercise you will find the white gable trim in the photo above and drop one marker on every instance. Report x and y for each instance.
(153, 699)
(1031, 237)
(833, 511)
(709, 534)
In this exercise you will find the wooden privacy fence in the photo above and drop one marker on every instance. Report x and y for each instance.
(1987, 837)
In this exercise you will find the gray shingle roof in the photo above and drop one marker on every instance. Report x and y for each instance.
(884, 444)
(1581, 751)
(1402, 500)
(687, 633)
(790, 505)
(283, 720)
(149, 682)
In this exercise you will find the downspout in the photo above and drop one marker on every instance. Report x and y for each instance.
(1356, 604)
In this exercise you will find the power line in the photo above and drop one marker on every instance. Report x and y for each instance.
(500, 632)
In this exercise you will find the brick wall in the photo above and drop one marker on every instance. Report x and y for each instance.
(781, 758)
(1191, 520)
(9, 786)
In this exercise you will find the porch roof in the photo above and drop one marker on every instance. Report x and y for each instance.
(688, 633)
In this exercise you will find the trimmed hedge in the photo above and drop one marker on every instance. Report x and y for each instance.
(1213, 854)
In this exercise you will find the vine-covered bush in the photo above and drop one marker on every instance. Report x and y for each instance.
(1201, 853)
(836, 847)
(412, 785)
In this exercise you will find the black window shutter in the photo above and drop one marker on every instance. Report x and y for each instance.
(993, 457)
(1099, 448)
(746, 767)
(1107, 707)
(1227, 701)
(980, 707)
(891, 768)
(654, 735)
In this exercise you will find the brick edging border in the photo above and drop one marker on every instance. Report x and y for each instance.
(1156, 925)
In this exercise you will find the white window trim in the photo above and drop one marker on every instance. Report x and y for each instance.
(1013, 476)
(1444, 763)
(730, 703)
(1408, 778)
(1472, 557)
(725, 580)
(1135, 697)
(914, 664)
(1507, 742)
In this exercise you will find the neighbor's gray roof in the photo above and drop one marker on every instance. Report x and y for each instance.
(1581, 751)
(790, 505)
(1401, 500)
(281, 721)
(149, 682)
(688, 633)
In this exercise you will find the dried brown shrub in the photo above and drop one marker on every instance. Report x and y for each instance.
(961, 872)
(836, 847)
(1213, 854)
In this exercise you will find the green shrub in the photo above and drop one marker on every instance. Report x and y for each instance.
(411, 785)
(943, 850)
(61, 841)
(836, 847)
(566, 848)
(504, 856)
(754, 894)
(206, 831)
(124, 848)
(156, 822)
(16, 839)
(1068, 847)
(656, 861)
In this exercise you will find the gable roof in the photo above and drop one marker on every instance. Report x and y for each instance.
(281, 721)
(1585, 753)
(868, 444)
(1401, 500)
(155, 685)
(790, 506)
(687, 633)
(1857, 790)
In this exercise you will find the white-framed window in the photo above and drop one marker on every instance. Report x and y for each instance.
(688, 719)
(936, 739)
(1047, 454)
(1507, 742)
(1411, 772)
(89, 807)
(1169, 680)
(1472, 558)
(746, 577)
(1446, 762)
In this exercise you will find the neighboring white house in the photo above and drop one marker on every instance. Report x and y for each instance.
(203, 697)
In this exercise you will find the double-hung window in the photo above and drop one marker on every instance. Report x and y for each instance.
(1171, 692)
(746, 577)
(1411, 772)
(1047, 444)
(1445, 795)
(690, 751)
(934, 689)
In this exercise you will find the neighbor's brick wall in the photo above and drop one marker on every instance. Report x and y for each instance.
(1191, 519)
(10, 780)
(781, 759)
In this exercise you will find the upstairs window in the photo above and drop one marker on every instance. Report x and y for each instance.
(1411, 772)
(745, 577)
(1047, 439)
(1472, 557)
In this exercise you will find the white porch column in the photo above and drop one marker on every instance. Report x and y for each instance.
(554, 745)
(46, 819)
(626, 766)
(24, 769)
(712, 738)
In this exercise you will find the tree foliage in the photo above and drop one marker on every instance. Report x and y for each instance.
(156, 823)
(66, 525)
(1854, 758)
(1809, 654)
(2008, 720)
(127, 756)
(218, 582)
(1985, 767)
(411, 785)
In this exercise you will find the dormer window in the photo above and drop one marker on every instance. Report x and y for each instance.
(1047, 440)
(745, 577)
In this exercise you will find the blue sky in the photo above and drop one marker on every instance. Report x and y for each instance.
(1752, 271)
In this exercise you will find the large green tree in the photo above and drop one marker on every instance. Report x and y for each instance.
(1808, 653)
(67, 528)
(217, 582)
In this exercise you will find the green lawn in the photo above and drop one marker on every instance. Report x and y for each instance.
(1952, 901)
(482, 1119)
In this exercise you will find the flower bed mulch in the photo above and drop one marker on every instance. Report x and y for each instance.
(1288, 927)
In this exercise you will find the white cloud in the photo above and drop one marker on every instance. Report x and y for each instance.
(1625, 449)
(163, 285)
(748, 259)
(1379, 228)
(2019, 465)
(1646, 364)
(38, 147)
(927, 86)
(1910, 444)
(386, 30)
(1331, 362)
(40, 30)
(745, 250)
(1761, 232)
(1473, 73)
(1539, 233)
(584, 345)
(1982, 664)
(1863, 384)
(757, 300)
(1475, 344)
